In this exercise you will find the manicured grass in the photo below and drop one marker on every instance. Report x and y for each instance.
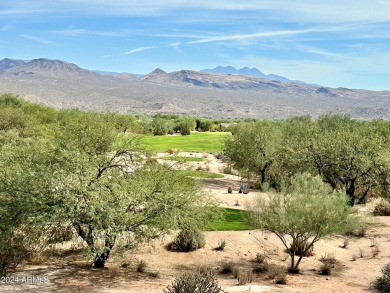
(210, 142)
(232, 220)
(202, 174)
(182, 159)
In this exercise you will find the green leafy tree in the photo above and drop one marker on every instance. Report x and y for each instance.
(306, 212)
(162, 126)
(185, 125)
(111, 193)
(347, 154)
(26, 205)
(254, 148)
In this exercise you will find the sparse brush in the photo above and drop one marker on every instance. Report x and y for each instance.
(328, 259)
(260, 257)
(353, 257)
(274, 271)
(345, 244)
(382, 283)
(383, 208)
(281, 279)
(221, 245)
(141, 267)
(360, 232)
(326, 269)
(154, 275)
(201, 280)
(375, 250)
(227, 268)
(260, 268)
(361, 253)
(373, 242)
(244, 277)
(189, 240)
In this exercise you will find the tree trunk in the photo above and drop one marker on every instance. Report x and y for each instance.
(100, 259)
(362, 200)
(350, 190)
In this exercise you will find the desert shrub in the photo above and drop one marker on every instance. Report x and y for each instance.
(201, 280)
(260, 268)
(375, 250)
(227, 268)
(260, 257)
(219, 156)
(244, 277)
(328, 262)
(357, 232)
(346, 243)
(221, 245)
(328, 259)
(141, 266)
(278, 274)
(154, 275)
(326, 269)
(382, 208)
(382, 283)
(189, 240)
(361, 253)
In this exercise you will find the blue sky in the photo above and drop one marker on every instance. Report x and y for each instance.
(344, 43)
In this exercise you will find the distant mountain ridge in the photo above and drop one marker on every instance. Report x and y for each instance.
(65, 85)
(248, 72)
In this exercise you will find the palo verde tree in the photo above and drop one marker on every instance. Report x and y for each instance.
(112, 191)
(306, 212)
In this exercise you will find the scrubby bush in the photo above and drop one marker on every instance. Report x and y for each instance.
(221, 245)
(260, 257)
(189, 240)
(203, 280)
(227, 268)
(382, 283)
(141, 266)
(278, 274)
(244, 277)
(260, 268)
(185, 125)
(382, 208)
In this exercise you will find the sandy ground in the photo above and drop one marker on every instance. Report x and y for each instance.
(68, 271)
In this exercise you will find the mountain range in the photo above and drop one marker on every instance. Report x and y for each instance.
(248, 72)
(209, 94)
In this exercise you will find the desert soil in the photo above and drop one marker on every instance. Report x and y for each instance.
(68, 270)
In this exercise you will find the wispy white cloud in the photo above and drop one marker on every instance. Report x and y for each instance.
(36, 39)
(78, 32)
(71, 32)
(318, 51)
(140, 49)
(306, 11)
(11, 12)
(240, 37)
(5, 28)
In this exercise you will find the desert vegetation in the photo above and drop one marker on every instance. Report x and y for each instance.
(70, 176)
